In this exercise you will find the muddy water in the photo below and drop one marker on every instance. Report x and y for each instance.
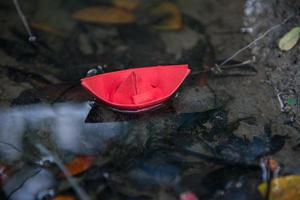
(208, 139)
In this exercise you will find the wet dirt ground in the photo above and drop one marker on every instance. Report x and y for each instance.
(210, 138)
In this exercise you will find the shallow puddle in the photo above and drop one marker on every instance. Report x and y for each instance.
(213, 139)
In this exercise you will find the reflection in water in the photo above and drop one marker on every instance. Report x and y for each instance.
(29, 184)
(253, 8)
(65, 124)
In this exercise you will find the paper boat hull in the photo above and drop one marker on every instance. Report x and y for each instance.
(137, 88)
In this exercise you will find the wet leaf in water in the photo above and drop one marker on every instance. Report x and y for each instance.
(290, 39)
(292, 101)
(64, 197)
(79, 165)
(46, 28)
(287, 188)
(127, 4)
(173, 16)
(105, 15)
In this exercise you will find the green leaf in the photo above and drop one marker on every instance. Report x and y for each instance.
(292, 101)
(290, 39)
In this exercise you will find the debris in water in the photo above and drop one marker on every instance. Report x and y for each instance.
(29, 184)
(289, 40)
(31, 38)
(78, 165)
(105, 15)
(286, 187)
(173, 19)
(127, 4)
(64, 197)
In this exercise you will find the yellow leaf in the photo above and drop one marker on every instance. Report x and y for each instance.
(290, 39)
(127, 4)
(78, 165)
(173, 20)
(283, 188)
(105, 15)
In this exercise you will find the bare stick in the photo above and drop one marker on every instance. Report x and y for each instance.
(257, 39)
(82, 195)
(31, 38)
(22, 184)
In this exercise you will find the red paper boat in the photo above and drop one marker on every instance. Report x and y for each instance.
(138, 88)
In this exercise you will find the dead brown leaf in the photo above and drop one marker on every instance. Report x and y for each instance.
(46, 28)
(78, 165)
(64, 197)
(174, 18)
(105, 15)
(127, 4)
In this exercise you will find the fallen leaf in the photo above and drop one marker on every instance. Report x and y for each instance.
(78, 165)
(283, 188)
(173, 15)
(64, 197)
(46, 28)
(127, 4)
(105, 15)
(292, 101)
(290, 39)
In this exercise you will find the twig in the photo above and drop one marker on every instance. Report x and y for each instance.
(22, 184)
(31, 38)
(82, 195)
(12, 146)
(30, 158)
(257, 39)
(269, 181)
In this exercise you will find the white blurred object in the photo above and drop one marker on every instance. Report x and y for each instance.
(71, 133)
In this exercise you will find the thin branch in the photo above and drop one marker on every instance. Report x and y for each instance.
(22, 184)
(256, 40)
(12, 146)
(30, 158)
(82, 195)
(31, 38)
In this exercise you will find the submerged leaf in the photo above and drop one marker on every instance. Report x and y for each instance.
(290, 39)
(127, 4)
(105, 15)
(46, 28)
(287, 188)
(173, 16)
(64, 197)
(79, 165)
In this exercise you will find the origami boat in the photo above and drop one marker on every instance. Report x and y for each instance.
(138, 88)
